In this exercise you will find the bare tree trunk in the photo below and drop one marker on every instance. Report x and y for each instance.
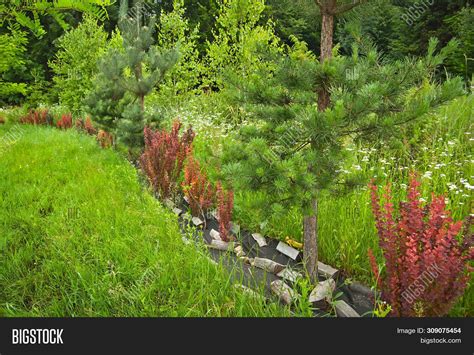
(327, 31)
(310, 220)
(310, 253)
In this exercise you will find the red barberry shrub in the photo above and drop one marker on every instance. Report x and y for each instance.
(225, 205)
(197, 188)
(2, 120)
(89, 127)
(85, 126)
(105, 139)
(65, 122)
(37, 117)
(426, 261)
(163, 158)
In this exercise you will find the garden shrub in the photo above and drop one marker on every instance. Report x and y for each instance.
(86, 126)
(37, 117)
(65, 122)
(225, 205)
(164, 156)
(105, 139)
(426, 264)
(197, 188)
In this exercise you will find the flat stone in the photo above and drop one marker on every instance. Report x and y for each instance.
(327, 271)
(290, 275)
(185, 198)
(287, 250)
(197, 221)
(362, 289)
(249, 291)
(323, 291)
(345, 310)
(215, 234)
(283, 291)
(260, 239)
(177, 211)
(268, 265)
(239, 251)
(246, 260)
(169, 203)
(235, 228)
(221, 245)
(215, 214)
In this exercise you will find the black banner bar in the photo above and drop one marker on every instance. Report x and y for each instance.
(157, 335)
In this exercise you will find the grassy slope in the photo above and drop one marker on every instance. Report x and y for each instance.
(79, 237)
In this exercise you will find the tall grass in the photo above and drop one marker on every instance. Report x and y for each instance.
(438, 146)
(80, 237)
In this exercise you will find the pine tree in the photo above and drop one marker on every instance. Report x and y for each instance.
(293, 143)
(127, 75)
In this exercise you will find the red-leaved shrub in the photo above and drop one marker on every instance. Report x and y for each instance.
(197, 188)
(37, 117)
(65, 122)
(86, 126)
(164, 156)
(225, 205)
(105, 139)
(426, 263)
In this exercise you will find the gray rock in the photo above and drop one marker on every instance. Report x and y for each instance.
(290, 275)
(260, 239)
(283, 291)
(345, 310)
(197, 221)
(268, 265)
(169, 203)
(323, 291)
(235, 228)
(327, 271)
(361, 289)
(287, 250)
(215, 234)
(177, 211)
(249, 291)
(239, 251)
(221, 245)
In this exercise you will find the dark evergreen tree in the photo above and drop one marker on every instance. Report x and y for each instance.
(127, 75)
(293, 142)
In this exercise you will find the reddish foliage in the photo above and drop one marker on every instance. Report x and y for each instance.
(164, 156)
(86, 126)
(37, 117)
(2, 120)
(105, 139)
(426, 267)
(197, 188)
(65, 122)
(225, 205)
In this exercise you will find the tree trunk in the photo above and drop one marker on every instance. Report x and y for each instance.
(310, 220)
(327, 31)
(310, 235)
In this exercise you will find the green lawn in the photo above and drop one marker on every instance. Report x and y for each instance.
(80, 237)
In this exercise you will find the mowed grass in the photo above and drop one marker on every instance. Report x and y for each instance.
(80, 237)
